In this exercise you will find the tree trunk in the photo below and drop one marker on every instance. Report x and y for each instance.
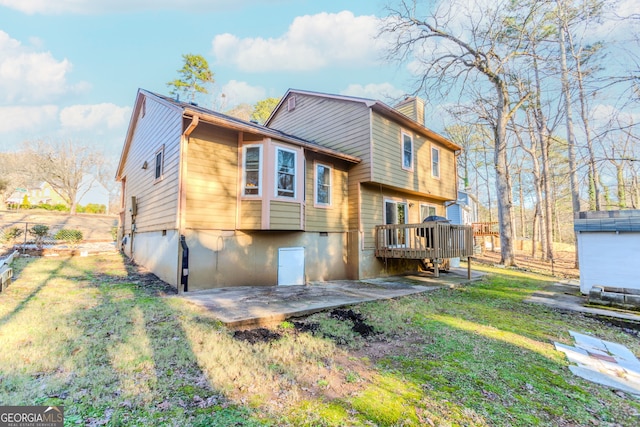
(622, 198)
(534, 230)
(507, 256)
(546, 226)
(571, 139)
(523, 228)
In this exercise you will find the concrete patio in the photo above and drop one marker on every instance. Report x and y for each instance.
(249, 306)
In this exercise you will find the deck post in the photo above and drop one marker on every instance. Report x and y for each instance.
(436, 247)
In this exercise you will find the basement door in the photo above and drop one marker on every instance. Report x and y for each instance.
(290, 266)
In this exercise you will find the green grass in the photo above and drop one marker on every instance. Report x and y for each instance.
(116, 350)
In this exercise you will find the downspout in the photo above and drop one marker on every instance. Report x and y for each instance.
(183, 263)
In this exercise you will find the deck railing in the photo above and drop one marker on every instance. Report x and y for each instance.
(485, 229)
(431, 240)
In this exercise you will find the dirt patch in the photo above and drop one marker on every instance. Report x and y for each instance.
(312, 327)
(359, 325)
(258, 335)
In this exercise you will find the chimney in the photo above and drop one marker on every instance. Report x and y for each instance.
(412, 107)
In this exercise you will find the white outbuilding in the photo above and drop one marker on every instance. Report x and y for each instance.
(608, 249)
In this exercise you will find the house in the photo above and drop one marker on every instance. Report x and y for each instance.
(89, 191)
(407, 171)
(608, 249)
(463, 211)
(209, 200)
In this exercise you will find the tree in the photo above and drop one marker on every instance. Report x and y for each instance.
(262, 109)
(65, 166)
(474, 53)
(194, 76)
(11, 175)
(242, 111)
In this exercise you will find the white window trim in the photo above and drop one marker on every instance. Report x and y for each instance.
(406, 217)
(155, 165)
(244, 175)
(316, 203)
(410, 167)
(439, 158)
(430, 205)
(295, 174)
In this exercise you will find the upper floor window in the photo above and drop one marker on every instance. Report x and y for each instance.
(407, 151)
(252, 170)
(323, 185)
(159, 165)
(285, 172)
(435, 162)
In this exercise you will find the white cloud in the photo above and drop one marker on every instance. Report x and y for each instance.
(236, 93)
(311, 42)
(26, 119)
(97, 116)
(28, 76)
(117, 6)
(383, 91)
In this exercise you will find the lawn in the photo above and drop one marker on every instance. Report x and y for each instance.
(116, 347)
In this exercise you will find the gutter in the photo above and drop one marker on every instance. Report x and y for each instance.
(182, 204)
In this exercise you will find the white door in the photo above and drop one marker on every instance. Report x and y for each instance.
(290, 266)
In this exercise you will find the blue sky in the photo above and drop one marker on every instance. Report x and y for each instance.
(70, 69)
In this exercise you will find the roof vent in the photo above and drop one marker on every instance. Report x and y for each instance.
(291, 103)
(195, 104)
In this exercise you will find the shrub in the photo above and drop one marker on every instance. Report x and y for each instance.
(39, 231)
(92, 208)
(10, 235)
(74, 237)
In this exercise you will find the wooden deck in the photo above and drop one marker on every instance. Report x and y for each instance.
(481, 229)
(431, 240)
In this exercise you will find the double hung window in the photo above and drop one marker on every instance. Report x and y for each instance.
(323, 185)
(285, 173)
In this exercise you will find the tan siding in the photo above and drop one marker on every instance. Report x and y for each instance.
(251, 215)
(337, 124)
(212, 178)
(335, 217)
(373, 198)
(284, 216)
(157, 202)
(372, 214)
(387, 157)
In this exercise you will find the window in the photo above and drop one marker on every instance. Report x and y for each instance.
(427, 210)
(435, 162)
(252, 170)
(407, 152)
(159, 163)
(323, 185)
(395, 213)
(285, 173)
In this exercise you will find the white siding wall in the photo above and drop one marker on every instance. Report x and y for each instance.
(608, 259)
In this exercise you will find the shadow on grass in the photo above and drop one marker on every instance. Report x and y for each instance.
(123, 358)
(25, 300)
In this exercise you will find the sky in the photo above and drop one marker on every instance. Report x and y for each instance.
(70, 69)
